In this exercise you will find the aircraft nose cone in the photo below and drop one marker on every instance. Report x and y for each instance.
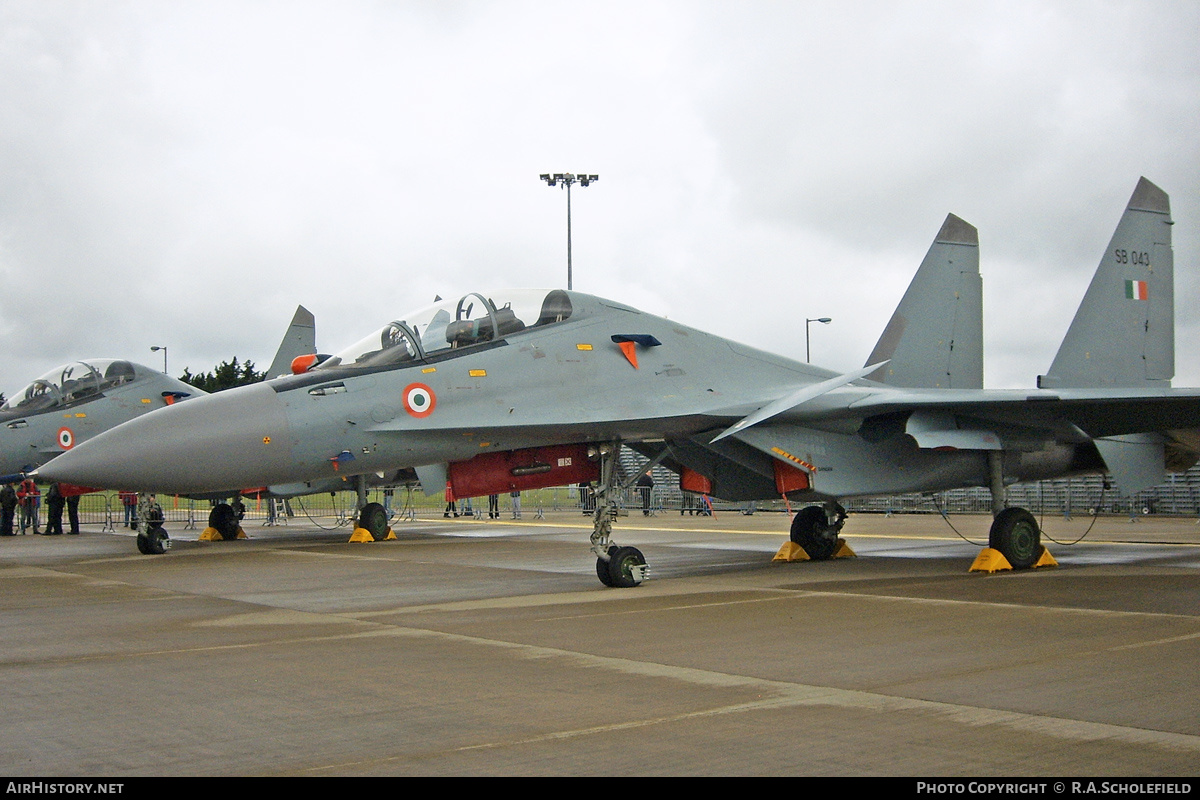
(220, 442)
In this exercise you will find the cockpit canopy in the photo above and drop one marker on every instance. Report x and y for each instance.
(449, 324)
(71, 382)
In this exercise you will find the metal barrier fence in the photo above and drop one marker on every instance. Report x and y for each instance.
(1180, 496)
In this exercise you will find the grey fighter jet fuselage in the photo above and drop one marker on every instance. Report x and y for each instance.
(75, 402)
(517, 389)
(72, 403)
(375, 409)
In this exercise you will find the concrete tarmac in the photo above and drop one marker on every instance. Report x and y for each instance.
(471, 647)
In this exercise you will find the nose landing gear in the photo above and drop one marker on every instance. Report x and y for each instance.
(618, 567)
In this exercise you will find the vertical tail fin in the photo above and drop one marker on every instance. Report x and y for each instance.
(299, 340)
(1124, 331)
(935, 337)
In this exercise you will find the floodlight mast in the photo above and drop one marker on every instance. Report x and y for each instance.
(567, 179)
(807, 324)
(155, 349)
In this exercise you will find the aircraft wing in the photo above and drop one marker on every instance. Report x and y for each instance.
(859, 440)
(1097, 412)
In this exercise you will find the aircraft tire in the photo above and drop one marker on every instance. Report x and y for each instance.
(1015, 533)
(373, 517)
(602, 571)
(810, 530)
(151, 542)
(620, 567)
(224, 520)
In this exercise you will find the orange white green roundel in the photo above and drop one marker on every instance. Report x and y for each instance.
(66, 439)
(419, 400)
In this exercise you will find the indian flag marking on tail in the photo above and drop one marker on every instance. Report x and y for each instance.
(1137, 290)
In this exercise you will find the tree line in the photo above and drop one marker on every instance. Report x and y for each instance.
(226, 375)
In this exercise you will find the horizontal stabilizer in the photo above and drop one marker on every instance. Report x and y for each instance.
(797, 398)
(1136, 461)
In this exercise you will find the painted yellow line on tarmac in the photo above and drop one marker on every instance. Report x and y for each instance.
(573, 526)
(633, 525)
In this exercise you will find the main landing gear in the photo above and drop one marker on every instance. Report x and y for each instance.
(621, 567)
(224, 522)
(373, 518)
(1015, 538)
(1016, 535)
(816, 529)
(1014, 542)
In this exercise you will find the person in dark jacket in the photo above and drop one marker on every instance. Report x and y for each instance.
(55, 503)
(73, 514)
(8, 509)
(645, 485)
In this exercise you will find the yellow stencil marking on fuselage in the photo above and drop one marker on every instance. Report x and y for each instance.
(790, 457)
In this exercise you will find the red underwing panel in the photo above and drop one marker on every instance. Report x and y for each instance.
(789, 478)
(691, 481)
(520, 470)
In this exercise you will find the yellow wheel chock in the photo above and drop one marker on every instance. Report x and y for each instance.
(1045, 560)
(363, 535)
(990, 560)
(213, 535)
(791, 552)
(794, 552)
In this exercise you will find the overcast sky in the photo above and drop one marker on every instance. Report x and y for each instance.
(186, 173)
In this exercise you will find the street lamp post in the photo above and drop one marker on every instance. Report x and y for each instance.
(568, 180)
(155, 349)
(807, 323)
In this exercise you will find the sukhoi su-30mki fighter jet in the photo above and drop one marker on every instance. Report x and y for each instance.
(74, 402)
(517, 390)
